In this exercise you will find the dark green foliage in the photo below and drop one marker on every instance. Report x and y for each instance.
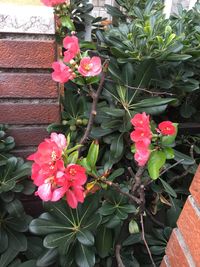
(153, 68)
(14, 221)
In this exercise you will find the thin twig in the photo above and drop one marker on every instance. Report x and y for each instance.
(117, 188)
(137, 179)
(95, 96)
(173, 179)
(154, 219)
(145, 242)
(131, 172)
(142, 89)
(118, 256)
(172, 166)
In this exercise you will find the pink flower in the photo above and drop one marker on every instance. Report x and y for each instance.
(140, 134)
(48, 152)
(140, 120)
(59, 139)
(76, 177)
(50, 175)
(142, 145)
(51, 185)
(142, 156)
(167, 128)
(62, 73)
(71, 44)
(75, 195)
(90, 66)
(48, 192)
(75, 174)
(52, 2)
(41, 173)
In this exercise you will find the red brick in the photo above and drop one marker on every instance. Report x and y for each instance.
(189, 225)
(26, 53)
(29, 113)
(27, 85)
(165, 262)
(24, 152)
(28, 136)
(177, 251)
(195, 187)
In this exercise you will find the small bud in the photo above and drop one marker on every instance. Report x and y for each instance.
(64, 122)
(85, 122)
(79, 122)
(72, 128)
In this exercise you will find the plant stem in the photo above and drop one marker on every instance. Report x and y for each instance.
(137, 179)
(142, 89)
(145, 242)
(118, 256)
(95, 96)
(153, 219)
(118, 189)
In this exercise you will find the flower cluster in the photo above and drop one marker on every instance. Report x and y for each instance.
(53, 2)
(53, 178)
(85, 66)
(142, 135)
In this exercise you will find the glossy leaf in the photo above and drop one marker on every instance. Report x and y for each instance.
(85, 237)
(104, 241)
(93, 153)
(155, 163)
(168, 188)
(84, 256)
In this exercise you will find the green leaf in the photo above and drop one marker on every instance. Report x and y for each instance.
(92, 222)
(85, 237)
(84, 256)
(115, 173)
(10, 167)
(169, 139)
(128, 208)
(117, 146)
(178, 57)
(132, 239)
(107, 209)
(169, 152)
(144, 73)
(3, 240)
(8, 256)
(17, 241)
(30, 263)
(185, 159)
(47, 258)
(115, 112)
(168, 188)
(67, 22)
(133, 227)
(113, 222)
(15, 208)
(187, 110)
(19, 224)
(104, 241)
(73, 157)
(42, 226)
(92, 155)
(154, 101)
(155, 163)
(59, 239)
(92, 80)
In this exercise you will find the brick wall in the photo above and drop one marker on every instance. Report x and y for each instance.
(28, 96)
(183, 249)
